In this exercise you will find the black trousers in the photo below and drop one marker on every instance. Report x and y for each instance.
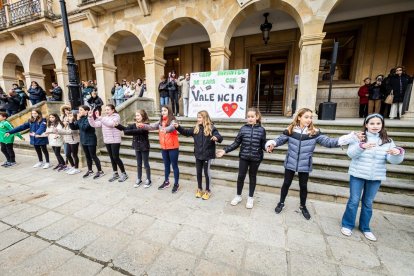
(143, 157)
(113, 151)
(90, 154)
(59, 157)
(39, 150)
(303, 185)
(7, 150)
(175, 104)
(200, 165)
(72, 154)
(253, 167)
(363, 110)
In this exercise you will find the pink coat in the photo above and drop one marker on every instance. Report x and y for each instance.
(111, 135)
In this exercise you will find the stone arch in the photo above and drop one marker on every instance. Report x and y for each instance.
(36, 59)
(76, 45)
(9, 64)
(171, 22)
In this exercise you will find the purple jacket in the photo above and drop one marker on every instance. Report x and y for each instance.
(111, 135)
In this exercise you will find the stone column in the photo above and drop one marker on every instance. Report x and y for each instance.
(154, 68)
(37, 77)
(220, 58)
(6, 82)
(105, 77)
(409, 115)
(310, 54)
(62, 79)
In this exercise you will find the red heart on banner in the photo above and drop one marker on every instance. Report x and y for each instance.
(229, 108)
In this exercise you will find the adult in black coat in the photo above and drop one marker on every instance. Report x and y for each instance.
(57, 93)
(36, 93)
(22, 96)
(397, 84)
(13, 103)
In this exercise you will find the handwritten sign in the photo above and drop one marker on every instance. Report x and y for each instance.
(223, 94)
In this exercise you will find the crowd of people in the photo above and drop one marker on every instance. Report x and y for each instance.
(172, 89)
(385, 95)
(369, 151)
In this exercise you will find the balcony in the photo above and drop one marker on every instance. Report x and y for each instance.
(100, 7)
(25, 11)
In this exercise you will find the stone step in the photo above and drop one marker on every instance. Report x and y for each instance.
(386, 201)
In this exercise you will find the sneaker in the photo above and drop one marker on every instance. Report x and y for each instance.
(345, 231)
(279, 207)
(249, 203)
(46, 165)
(123, 177)
(5, 164)
(175, 188)
(147, 183)
(38, 164)
(236, 200)
(87, 174)
(138, 183)
(57, 167)
(99, 175)
(177, 115)
(114, 177)
(62, 168)
(206, 195)
(305, 212)
(166, 184)
(69, 170)
(11, 164)
(370, 236)
(74, 171)
(199, 193)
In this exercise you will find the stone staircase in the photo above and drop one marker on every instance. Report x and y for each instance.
(329, 179)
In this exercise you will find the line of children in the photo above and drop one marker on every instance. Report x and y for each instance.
(7, 142)
(205, 136)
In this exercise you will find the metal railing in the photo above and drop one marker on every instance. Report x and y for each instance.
(25, 11)
(3, 19)
(85, 2)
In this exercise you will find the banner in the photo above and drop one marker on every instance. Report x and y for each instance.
(223, 94)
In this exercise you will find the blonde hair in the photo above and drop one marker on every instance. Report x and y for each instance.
(258, 114)
(311, 128)
(207, 124)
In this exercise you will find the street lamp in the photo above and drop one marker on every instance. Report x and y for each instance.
(73, 86)
(265, 28)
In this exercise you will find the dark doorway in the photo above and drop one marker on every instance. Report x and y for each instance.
(270, 87)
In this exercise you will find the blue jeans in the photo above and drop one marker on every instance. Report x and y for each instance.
(170, 157)
(368, 189)
(164, 100)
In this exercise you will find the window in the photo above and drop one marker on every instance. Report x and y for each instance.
(346, 56)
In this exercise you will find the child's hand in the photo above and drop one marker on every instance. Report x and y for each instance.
(360, 135)
(393, 151)
(163, 130)
(176, 124)
(90, 113)
(270, 148)
(97, 114)
(140, 125)
(220, 153)
(214, 138)
(368, 145)
(70, 118)
(32, 134)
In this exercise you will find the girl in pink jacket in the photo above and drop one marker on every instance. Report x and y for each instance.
(111, 138)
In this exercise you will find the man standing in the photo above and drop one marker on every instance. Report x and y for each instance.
(184, 83)
(397, 85)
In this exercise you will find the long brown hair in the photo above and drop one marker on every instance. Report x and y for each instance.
(170, 116)
(56, 122)
(311, 128)
(111, 106)
(258, 114)
(144, 116)
(207, 124)
(39, 116)
(382, 133)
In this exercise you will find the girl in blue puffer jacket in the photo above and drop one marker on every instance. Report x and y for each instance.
(367, 170)
(302, 137)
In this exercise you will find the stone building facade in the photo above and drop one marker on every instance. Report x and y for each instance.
(128, 39)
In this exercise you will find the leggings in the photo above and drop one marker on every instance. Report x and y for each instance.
(59, 157)
(253, 167)
(143, 156)
(200, 165)
(113, 151)
(175, 104)
(39, 150)
(72, 154)
(7, 150)
(303, 184)
(170, 157)
(90, 154)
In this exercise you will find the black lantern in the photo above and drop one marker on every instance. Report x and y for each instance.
(265, 28)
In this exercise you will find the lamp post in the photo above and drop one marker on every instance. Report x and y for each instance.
(73, 86)
(265, 28)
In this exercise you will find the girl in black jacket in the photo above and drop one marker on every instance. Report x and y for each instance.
(205, 137)
(141, 145)
(252, 140)
(88, 140)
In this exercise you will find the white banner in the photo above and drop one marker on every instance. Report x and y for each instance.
(223, 94)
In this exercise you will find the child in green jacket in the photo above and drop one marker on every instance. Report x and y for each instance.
(7, 142)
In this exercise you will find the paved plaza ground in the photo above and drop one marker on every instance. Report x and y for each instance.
(55, 224)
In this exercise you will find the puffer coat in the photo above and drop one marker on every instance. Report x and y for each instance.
(140, 140)
(110, 134)
(370, 164)
(36, 128)
(86, 132)
(167, 134)
(252, 140)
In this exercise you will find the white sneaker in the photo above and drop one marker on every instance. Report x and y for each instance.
(236, 200)
(249, 203)
(38, 165)
(46, 166)
(68, 171)
(138, 183)
(347, 232)
(74, 171)
(147, 183)
(370, 236)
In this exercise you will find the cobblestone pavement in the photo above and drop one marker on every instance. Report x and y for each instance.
(55, 224)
